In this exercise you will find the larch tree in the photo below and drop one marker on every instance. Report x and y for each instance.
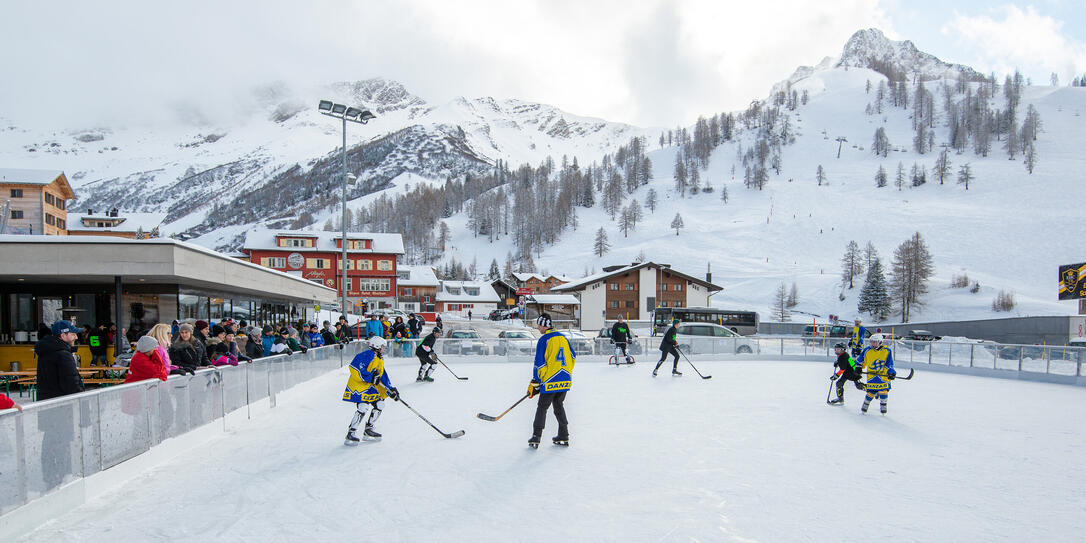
(852, 264)
(911, 269)
(601, 246)
(677, 223)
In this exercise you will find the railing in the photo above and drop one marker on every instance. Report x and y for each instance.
(56, 441)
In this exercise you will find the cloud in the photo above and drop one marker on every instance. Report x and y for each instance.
(1009, 38)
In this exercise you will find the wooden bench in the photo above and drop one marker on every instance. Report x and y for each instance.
(102, 381)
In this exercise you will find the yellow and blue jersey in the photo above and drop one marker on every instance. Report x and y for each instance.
(368, 381)
(858, 335)
(876, 361)
(554, 359)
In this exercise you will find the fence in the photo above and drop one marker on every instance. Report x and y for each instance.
(56, 441)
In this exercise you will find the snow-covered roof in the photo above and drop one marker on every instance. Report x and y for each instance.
(29, 177)
(550, 299)
(457, 291)
(128, 222)
(416, 276)
(524, 277)
(580, 284)
(326, 241)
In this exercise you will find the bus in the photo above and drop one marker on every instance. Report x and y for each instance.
(741, 322)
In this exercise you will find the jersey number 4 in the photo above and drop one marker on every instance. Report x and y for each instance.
(561, 356)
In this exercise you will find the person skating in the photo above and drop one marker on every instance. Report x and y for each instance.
(620, 337)
(367, 387)
(856, 340)
(552, 378)
(425, 352)
(670, 345)
(878, 361)
(846, 371)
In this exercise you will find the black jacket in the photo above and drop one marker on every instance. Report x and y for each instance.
(328, 336)
(58, 374)
(253, 348)
(428, 341)
(415, 325)
(401, 328)
(670, 340)
(620, 333)
(188, 355)
(101, 338)
(842, 363)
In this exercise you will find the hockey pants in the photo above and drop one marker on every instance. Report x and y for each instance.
(360, 413)
(426, 365)
(620, 353)
(882, 393)
(673, 351)
(841, 385)
(545, 401)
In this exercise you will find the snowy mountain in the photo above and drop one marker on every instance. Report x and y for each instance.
(281, 160)
(870, 48)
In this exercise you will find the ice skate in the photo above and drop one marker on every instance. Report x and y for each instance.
(351, 439)
(533, 442)
(676, 373)
(837, 401)
(371, 435)
(428, 379)
(560, 441)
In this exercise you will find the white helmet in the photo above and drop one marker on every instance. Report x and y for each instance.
(877, 338)
(377, 342)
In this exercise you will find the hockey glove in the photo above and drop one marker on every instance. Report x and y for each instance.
(533, 389)
(891, 374)
(860, 386)
(393, 393)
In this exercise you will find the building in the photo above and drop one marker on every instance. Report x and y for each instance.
(507, 293)
(417, 290)
(635, 291)
(113, 223)
(315, 255)
(539, 284)
(136, 284)
(463, 296)
(34, 202)
(562, 309)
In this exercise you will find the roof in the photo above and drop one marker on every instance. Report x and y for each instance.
(416, 276)
(552, 299)
(582, 283)
(130, 222)
(486, 294)
(524, 277)
(35, 177)
(326, 241)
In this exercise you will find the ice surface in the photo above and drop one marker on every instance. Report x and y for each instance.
(753, 454)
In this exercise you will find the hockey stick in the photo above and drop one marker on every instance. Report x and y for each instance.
(692, 365)
(455, 434)
(448, 368)
(898, 378)
(830, 391)
(495, 419)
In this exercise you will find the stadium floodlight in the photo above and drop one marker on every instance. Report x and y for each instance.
(366, 116)
(338, 109)
(325, 105)
(353, 112)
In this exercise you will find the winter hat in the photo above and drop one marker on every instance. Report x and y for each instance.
(61, 327)
(185, 327)
(675, 321)
(216, 330)
(200, 325)
(267, 328)
(544, 320)
(218, 348)
(284, 332)
(146, 344)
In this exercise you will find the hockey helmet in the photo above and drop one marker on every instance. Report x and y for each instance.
(877, 339)
(839, 346)
(377, 343)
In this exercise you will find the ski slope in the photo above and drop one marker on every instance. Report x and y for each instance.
(753, 454)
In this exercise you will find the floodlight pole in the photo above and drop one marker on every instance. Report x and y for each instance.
(343, 263)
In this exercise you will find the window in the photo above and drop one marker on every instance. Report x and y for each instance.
(277, 262)
(16, 213)
(613, 286)
(384, 265)
(374, 284)
(678, 286)
(631, 304)
(663, 287)
(16, 193)
(471, 291)
(365, 265)
(408, 291)
(50, 220)
(677, 304)
(453, 290)
(614, 303)
(629, 286)
(49, 199)
(61, 203)
(663, 304)
(318, 263)
(453, 307)
(295, 242)
(426, 299)
(358, 244)
(61, 223)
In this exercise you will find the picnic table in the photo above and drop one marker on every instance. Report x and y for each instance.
(29, 378)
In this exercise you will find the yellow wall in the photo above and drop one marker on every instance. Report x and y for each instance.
(24, 355)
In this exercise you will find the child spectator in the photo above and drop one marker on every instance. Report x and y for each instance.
(144, 364)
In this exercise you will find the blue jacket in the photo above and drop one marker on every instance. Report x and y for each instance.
(267, 341)
(554, 360)
(315, 339)
(374, 328)
(368, 381)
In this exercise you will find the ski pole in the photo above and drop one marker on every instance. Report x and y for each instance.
(448, 368)
(455, 434)
(692, 364)
(494, 419)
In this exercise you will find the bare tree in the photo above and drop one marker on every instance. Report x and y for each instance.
(852, 264)
(601, 246)
(911, 269)
(677, 223)
(780, 304)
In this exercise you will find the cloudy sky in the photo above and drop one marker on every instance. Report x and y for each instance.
(651, 63)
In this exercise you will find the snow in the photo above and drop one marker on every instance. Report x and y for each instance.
(958, 458)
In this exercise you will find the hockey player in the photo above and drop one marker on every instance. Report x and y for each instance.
(878, 361)
(425, 352)
(856, 341)
(670, 345)
(620, 336)
(367, 387)
(552, 377)
(846, 371)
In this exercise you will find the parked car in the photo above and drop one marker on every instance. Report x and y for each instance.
(503, 314)
(709, 338)
(823, 334)
(464, 342)
(633, 347)
(580, 343)
(515, 342)
(922, 335)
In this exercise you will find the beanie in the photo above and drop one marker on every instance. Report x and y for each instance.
(146, 344)
(216, 330)
(200, 325)
(185, 327)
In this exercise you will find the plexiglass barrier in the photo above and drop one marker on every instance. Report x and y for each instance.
(57, 441)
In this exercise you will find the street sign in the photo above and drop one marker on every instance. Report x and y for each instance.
(524, 291)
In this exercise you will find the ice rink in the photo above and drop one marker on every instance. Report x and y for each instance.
(753, 454)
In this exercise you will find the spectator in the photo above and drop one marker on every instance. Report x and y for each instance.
(8, 403)
(134, 333)
(267, 339)
(161, 333)
(186, 351)
(99, 345)
(220, 354)
(84, 336)
(414, 323)
(328, 334)
(293, 343)
(281, 344)
(145, 363)
(469, 314)
(58, 373)
(374, 328)
(174, 328)
(252, 345)
(437, 321)
(315, 337)
(386, 327)
(201, 331)
(218, 332)
(236, 350)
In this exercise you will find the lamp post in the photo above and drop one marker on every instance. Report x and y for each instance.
(355, 115)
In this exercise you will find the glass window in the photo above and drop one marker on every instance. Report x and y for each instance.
(16, 213)
(408, 291)
(365, 265)
(678, 304)
(613, 286)
(678, 286)
(16, 193)
(631, 304)
(21, 313)
(629, 286)
(614, 303)
(384, 265)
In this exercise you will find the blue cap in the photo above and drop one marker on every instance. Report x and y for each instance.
(61, 327)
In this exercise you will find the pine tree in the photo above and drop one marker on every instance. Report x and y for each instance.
(680, 174)
(494, 272)
(942, 165)
(677, 223)
(724, 194)
(820, 174)
(851, 264)
(874, 299)
(650, 200)
(880, 177)
(965, 175)
(601, 246)
(899, 180)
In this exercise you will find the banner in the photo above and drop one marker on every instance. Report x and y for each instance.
(1073, 281)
